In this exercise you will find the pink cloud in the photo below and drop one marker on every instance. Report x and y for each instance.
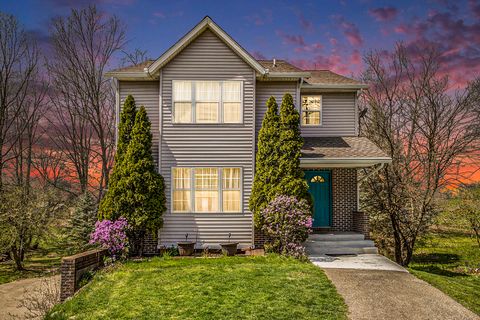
(307, 25)
(258, 55)
(159, 14)
(474, 8)
(383, 14)
(350, 30)
(260, 19)
(401, 28)
(309, 48)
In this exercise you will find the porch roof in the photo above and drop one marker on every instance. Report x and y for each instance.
(341, 152)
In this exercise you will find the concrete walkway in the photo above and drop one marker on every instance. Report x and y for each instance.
(12, 293)
(376, 288)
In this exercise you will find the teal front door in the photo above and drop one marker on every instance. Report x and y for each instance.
(320, 187)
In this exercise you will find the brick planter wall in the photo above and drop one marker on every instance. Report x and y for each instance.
(75, 266)
(361, 223)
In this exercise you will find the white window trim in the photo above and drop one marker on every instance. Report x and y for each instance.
(220, 104)
(321, 110)
(192, 190)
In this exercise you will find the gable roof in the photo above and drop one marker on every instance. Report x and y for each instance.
(206, 23)
(265, 69)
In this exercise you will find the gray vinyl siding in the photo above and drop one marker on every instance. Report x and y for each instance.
(266, 89)
(145, 94)
(338, 118)
(213, 145)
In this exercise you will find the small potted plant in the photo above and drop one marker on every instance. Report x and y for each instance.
(229, 248)
(186, 248)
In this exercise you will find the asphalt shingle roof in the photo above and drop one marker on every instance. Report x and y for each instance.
(280, 66)
(340, 147)
(328, 77)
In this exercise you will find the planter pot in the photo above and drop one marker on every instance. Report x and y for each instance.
(186, 248)
(229, 248)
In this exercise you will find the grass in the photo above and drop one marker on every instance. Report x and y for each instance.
(43, 261)
(449, 259)
(268, 287)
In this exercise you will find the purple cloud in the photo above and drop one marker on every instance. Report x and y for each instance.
(383, 14)
(291, 39)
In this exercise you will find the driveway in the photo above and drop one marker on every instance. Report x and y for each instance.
(13, 292)
(376, 288)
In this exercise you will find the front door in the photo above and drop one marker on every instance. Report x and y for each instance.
(320, 187)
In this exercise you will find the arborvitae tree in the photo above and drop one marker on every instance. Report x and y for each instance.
(292, 179)
(142, 200)
(83, 221)
(109, 207)
(267, 174)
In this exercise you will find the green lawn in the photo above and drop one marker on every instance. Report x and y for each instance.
(449, 259)
(269, 287)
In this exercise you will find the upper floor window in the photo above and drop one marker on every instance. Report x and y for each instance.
(207, 101)
(311, 110)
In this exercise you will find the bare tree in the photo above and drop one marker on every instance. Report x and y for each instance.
(84, 44)
(29, 127)
(426, 129)
(136, 57)
(18, 66)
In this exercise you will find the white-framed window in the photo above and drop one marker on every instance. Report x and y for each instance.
(311, 110)
(206, 189)
(207, 101)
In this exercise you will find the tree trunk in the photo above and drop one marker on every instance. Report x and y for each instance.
(16, 257)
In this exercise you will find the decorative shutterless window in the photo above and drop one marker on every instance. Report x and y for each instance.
(311, 110)
(207, 101)
(205, 190)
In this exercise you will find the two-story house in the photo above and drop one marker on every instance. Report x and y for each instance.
(205, 97)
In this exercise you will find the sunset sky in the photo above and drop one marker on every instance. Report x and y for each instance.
(312, 34)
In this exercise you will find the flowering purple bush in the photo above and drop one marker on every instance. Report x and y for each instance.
(111, 235)
(287, 224)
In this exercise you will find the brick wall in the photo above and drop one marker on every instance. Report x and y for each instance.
(344, 194)
(150, 244)
(75, 266)
(361, 223)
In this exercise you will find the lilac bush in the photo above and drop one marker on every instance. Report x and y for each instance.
(111, 235)
(287, 224)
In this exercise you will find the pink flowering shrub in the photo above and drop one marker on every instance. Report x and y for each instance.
(287, 224)
(111, 235)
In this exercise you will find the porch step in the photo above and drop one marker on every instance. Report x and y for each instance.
(339, 243)
(336, 236)
(344, 243)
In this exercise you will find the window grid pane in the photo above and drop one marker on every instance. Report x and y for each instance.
(181, 189)
(182, 91)
(183, 112)
(207, 112)
(231, 201)
(311, 117)
(207, 91)
(232, 91)
(232, 112)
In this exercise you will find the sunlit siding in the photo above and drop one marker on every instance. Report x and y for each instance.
(145, 94)
(207, 58)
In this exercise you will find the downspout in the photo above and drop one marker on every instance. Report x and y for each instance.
(359, 181)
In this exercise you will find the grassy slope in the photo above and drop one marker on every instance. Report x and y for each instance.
(208, 288)
(449, 259)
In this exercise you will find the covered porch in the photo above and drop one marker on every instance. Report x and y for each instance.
(331, 166)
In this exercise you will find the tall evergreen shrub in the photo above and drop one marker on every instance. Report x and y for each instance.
(142, 200)
(82, 222)
(267, 174)
(109, 206)
(292, 181)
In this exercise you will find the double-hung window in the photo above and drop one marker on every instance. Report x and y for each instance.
(311, 110)
(206, 189)
(207, 101)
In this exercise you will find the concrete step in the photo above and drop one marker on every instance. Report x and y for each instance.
(341, 250)
(337, 236)
(340, 243)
